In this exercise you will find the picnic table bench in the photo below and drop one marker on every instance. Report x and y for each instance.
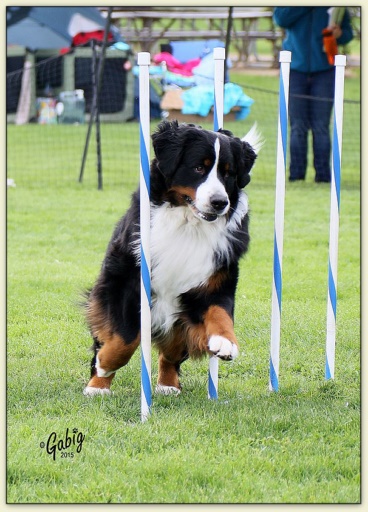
(147, 27)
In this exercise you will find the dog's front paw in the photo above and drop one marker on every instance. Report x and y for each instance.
(223, 348)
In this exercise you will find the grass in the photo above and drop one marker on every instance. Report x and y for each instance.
(300, 445)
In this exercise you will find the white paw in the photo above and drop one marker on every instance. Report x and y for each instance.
(90, 391)
(167, 390)
(223, 348)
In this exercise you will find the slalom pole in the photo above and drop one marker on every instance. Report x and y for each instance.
(218, 114)
(144, 60)
(340, 63)
(218, 122)
(285, 59)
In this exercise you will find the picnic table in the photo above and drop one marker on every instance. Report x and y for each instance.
(146, 28)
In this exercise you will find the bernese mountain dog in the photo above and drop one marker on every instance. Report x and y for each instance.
(199, 231)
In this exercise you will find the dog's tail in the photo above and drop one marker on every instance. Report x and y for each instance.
(254, 138)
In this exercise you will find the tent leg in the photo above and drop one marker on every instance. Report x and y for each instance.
(97, 82)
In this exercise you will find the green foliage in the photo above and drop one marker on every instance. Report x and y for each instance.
(300, 445)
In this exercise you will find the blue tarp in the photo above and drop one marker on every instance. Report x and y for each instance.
(205, 71)
(188, 50)
(200, 99)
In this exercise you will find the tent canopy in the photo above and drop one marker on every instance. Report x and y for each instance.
(51, 27)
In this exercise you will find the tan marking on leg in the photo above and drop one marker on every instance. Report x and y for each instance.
(216, 322)
(172, 351)
(197, 341)
(115, 353)
(167, 373)
(101, 382)
(219, 323)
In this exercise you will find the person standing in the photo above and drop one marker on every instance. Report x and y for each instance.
(312, 35)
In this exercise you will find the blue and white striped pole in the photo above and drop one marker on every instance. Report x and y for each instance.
(340, 63)
(218, 122)
(144, 60)
(285, 59)
(219, 66)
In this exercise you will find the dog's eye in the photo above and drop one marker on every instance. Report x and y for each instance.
(200, 169)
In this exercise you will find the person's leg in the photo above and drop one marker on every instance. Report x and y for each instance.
(299, 124)
(322, 87)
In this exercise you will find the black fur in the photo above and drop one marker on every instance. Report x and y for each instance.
(171, 142)
(180, 150)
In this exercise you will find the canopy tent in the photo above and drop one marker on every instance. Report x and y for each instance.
(52, 27)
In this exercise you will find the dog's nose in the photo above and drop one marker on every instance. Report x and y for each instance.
(219, 203)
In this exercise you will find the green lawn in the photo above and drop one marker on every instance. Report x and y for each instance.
(300, 445)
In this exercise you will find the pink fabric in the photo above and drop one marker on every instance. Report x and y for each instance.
(176, 66)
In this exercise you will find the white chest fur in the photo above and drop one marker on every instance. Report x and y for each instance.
(183, 250)
(182, 255)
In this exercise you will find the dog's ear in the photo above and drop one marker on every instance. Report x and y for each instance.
(245, 157)
(168, 147)
(226, 132)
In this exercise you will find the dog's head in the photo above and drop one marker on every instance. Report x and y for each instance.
(202, 169)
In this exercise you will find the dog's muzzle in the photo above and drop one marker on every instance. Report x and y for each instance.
(218, 204)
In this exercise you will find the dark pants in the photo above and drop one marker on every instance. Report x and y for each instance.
(311, 114)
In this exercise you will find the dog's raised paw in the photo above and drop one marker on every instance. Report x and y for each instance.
(223, 348)
(90, 391)
(167, 390)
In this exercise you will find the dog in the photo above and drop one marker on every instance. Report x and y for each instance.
(199, 231)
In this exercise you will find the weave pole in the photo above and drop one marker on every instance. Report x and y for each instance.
(144, 59)
(340, 63)
(218, 114)
(218, 122)
(285, 59)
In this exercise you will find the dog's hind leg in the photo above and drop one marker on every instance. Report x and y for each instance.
(108, 358)
(168, 376)
(98, 386)
(171, 356)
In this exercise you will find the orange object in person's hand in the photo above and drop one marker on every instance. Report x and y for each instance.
(329, 45)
